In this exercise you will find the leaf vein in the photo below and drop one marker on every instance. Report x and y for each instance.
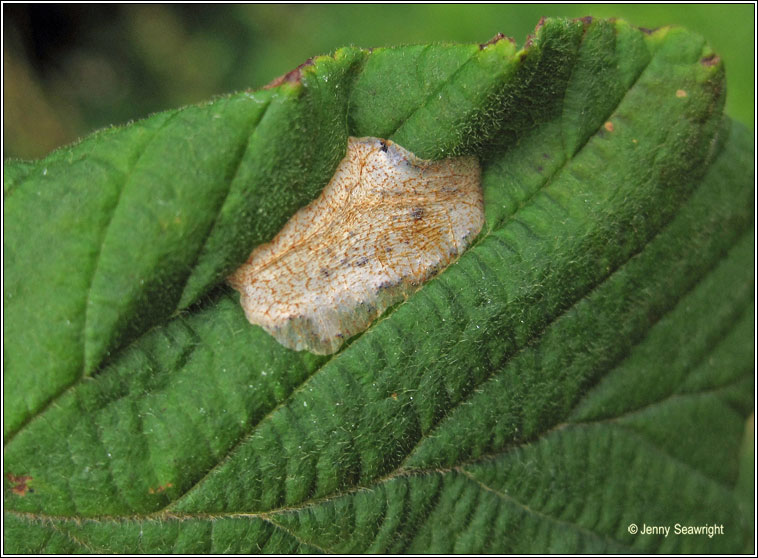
(288, 532)
(233, 175)
(540, 515)
(436, 91)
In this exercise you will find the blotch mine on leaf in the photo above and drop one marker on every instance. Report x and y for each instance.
(386, 223)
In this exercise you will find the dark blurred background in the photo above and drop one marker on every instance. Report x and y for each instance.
(71, 69)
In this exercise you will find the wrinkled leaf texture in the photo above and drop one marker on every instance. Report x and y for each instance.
(586, 365)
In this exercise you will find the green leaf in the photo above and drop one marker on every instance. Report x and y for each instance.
(585, 365)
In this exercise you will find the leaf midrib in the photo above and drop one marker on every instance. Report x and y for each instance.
(165, 516)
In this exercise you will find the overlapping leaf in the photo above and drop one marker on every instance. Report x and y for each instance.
(584, 366)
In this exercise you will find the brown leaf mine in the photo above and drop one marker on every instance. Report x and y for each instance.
(386, 223)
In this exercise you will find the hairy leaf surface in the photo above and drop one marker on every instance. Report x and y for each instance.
(585, 365)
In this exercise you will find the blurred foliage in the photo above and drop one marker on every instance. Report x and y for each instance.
(71, 69)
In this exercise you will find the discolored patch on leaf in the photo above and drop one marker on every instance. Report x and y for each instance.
(293, 76)
(386, 223)
(160, 489)
(494, 40)
(19, 483)
(710, 60)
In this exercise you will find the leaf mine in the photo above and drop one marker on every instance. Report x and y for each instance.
(386, 223)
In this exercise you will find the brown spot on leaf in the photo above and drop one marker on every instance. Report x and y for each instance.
(496, 39)
(161, 488)
(710, 60)
(608, 126)
(292, 76)
(19, 483)
(681, 93)
(394, 396)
